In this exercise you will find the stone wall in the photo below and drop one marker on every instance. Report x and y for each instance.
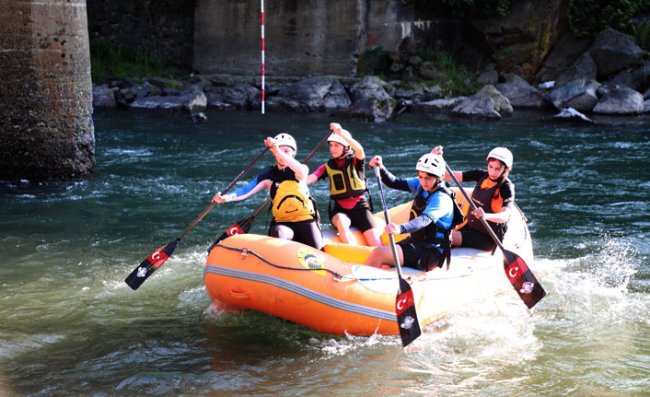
(160, 29)
(308, 37)
(46, 128)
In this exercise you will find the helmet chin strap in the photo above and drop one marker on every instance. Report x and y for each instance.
(345, 154)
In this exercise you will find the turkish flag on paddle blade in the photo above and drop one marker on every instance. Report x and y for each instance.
(407, 319)
(522, 279)
(150, 264)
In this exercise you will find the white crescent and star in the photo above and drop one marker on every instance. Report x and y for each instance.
(400, 303)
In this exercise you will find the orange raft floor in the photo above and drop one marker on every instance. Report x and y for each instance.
(331, 292)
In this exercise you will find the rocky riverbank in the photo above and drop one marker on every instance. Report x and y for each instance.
(612, 77)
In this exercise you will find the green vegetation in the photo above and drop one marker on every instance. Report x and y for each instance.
(375, 61)
(586, 18)
(114, 61)
(589, 17)
(454, 79)
(641, 34)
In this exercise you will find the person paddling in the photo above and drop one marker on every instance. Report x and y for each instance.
(431, 219)
(494, 195)
(346, 171)
(294, 212)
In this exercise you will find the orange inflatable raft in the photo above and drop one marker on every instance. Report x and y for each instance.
(332, 292)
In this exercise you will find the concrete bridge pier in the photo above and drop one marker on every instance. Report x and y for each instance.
(46, 127)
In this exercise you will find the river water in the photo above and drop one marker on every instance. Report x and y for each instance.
(70, 326)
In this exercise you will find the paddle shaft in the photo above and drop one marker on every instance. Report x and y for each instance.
(474, 207)
(393, 247)
(226, 190)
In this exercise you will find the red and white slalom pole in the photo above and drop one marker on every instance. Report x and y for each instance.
(262, 49)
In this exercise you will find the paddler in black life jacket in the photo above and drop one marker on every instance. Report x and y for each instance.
(432, 214)
(294, 213)
(494, 195)
(346, 172)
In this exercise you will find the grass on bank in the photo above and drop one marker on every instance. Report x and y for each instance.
(454, 79)
(111, 61)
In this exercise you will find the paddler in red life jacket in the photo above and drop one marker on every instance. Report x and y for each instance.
(346, 171)
(432, 214)
(494, 195)
(294, 213)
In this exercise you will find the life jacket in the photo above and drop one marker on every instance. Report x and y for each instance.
(345, 181)
(487, 195)
(434, 234)
(292, 202)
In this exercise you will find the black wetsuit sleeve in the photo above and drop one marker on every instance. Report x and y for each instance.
(415, 224)
(392, 181)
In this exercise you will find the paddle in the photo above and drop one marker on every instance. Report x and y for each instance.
(160, 255)
(407, 319)
(522, 279)
(243, 226)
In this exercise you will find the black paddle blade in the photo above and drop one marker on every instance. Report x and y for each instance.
(522, 279)
(407, 318)
(149, 265)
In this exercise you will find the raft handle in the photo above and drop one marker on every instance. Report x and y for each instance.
(241, 295)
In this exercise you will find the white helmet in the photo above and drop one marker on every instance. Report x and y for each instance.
(284, 139)
(338, 139)
(502, 154)
(432, 164)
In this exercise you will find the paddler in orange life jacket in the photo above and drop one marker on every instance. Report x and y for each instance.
(494, 195)
(347, 176)
(294, 213)
(432, 214)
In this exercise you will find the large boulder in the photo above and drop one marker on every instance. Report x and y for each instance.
(487, 103)
(613, 51)
(638, 79)
(564, 56)
(323, 93)
(520, 93)
(370, 100)
(583, 68)
(578, 94)
(239, 95)
(619, 100)
(192, 102)
(104, 96)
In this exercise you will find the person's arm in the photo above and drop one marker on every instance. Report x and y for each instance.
(345, 134)
(438, 207)
(415, 224)
(242, 193)
(508, 194)
(458, 174)
(500, 217)
(300, 170)
(316, 175)
(387, 178)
